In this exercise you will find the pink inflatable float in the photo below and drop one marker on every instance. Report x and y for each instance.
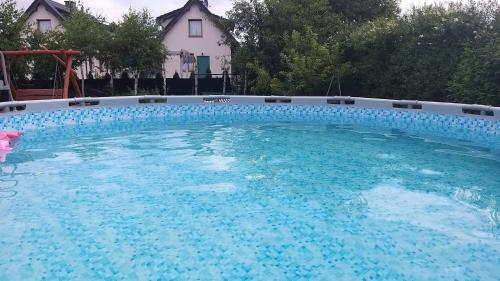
(5, 138)
(5, 145)
(9, 135)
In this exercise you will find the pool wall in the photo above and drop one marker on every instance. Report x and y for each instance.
(481, 111)
(470, 122)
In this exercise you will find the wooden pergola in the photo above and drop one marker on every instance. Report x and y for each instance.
(63, 57)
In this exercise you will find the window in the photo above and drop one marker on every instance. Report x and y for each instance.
(195, 28)
(44, 26)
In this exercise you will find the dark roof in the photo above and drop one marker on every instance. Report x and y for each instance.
(57, 9)
(62, 8)
(177, 14)
(169, 15)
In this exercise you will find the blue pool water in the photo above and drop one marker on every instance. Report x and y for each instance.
(249, 201)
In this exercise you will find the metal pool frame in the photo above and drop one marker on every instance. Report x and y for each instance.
(467, 110)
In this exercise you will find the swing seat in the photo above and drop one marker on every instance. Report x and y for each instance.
(38, 94)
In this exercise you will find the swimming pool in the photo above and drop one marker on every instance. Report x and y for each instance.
(252, 192)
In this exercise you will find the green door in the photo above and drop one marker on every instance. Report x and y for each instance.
(203, 65)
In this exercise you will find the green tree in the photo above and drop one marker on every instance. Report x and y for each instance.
(477, 79)
(13, 33)
(139, 47)
(261, 27)
(12, 26)
(246, 21)
(417, 55)
(107, 51)
(42, 67)
(286, 16)
(363, 10)
(82, 31)
(477, 76)
(434, 38)
(366, 53)
(309, 65)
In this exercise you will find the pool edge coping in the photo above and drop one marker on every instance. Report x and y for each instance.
(465, 110)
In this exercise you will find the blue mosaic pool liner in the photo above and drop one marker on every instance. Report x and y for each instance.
(458, 127)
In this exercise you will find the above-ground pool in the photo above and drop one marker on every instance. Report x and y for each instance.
(250, 192)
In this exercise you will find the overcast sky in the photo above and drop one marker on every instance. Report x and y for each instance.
(113, 9)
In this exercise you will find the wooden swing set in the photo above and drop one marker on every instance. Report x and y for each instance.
(62, 57)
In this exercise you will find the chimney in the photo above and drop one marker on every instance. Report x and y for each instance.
(205, 2)
(70, 4)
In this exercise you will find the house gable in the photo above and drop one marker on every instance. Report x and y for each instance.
(170, 19)
(58, 10)
(209, 45)
(47, 11)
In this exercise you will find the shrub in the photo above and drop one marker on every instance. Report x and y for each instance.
(477, 78)
(424, 55)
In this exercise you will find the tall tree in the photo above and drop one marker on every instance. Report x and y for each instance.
(13, 33)
(12, 26)
(263, 29)
(434, 39)
(434, 52)
(363, 10)
(246, 21)
(107, 51)
(42, 67)
(82, 31)
(477, 76)
(139, 45)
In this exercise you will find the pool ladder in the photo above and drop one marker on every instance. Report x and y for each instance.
(4, 82)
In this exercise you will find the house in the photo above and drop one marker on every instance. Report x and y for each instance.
(46, 15)
(195, 37)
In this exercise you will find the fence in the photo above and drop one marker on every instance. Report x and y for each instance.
(159, 86)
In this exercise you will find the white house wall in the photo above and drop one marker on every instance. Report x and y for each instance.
(41, 13)
(211, 44)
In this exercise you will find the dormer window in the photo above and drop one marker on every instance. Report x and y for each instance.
(195, 28)
(44, 26)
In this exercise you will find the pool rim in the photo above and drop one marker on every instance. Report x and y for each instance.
(465, 110)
